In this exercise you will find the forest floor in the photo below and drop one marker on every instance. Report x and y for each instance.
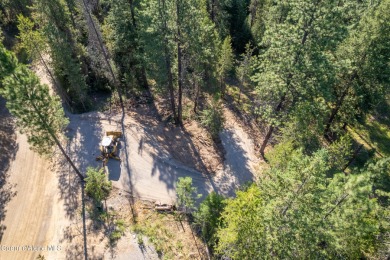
(42, 206)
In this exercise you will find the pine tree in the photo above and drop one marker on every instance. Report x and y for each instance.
(298, 210)
(363, 75)
(66, 54)
(186, 194)
(225, 63)
(156, 37)
(208, 217)
(10, 9)
(239, 27)
(38, 114)
(122, 36)
(180, 45)
(96, 32)
(258, 11)
(239, 236)
(97, 186)
(32, 41)
(218, 11)
(8, 63)
(202, 54)
(296, 67)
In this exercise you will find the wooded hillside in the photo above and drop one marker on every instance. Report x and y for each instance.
(309, 79)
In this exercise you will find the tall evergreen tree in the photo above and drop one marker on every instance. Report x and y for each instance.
(239, 27)
(38, 114)
(295, 66)
(218, 11)
(258, 11)
(363, 76)
(188, 40)
(225, 62)
(156, 34)
(32, 41)
(122, 36)
(209, 217)
(186, 194)
(10, 9)
(66, 54)
(97, 185)
(298, 211)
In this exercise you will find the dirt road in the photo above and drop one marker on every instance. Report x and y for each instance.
(40, 204)
(35, 216)
(38, 214)
(147, 170)
(41, 211)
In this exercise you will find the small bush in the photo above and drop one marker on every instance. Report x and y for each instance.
(119, 230)
(98, 187)
(140, 240)
(212, 119)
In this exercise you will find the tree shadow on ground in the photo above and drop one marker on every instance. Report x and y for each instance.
(175, 141)
(237, 171)
(173, 152)
(83, 138)
(83, 142)
(8, 149)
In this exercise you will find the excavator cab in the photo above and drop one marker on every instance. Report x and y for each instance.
(108, 147)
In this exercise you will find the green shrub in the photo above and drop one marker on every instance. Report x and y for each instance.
(119, 230)
(97, 186)
(212, 119)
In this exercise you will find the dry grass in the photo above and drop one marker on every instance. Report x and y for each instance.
(172, 238)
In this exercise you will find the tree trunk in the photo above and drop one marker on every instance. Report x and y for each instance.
(170, 84)
(180, 85)
(212, 11)
(271, 128)
(239, 95)
(179, 69)
(142, 79)
(84, 221)
(334, 113)
(288, 84)
(345, 126)
(63, 95)
(353, 157)
(131, 2)
(168, 65)
(266, 140)
(52, 134)
(197, 92)
(141, 72)
(222, 87)
(289, 204)
(116, 85)
(253, 10)
(345, 196)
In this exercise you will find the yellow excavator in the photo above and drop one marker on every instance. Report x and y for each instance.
(109, 146)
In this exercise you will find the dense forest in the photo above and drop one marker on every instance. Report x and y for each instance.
(311, 76)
